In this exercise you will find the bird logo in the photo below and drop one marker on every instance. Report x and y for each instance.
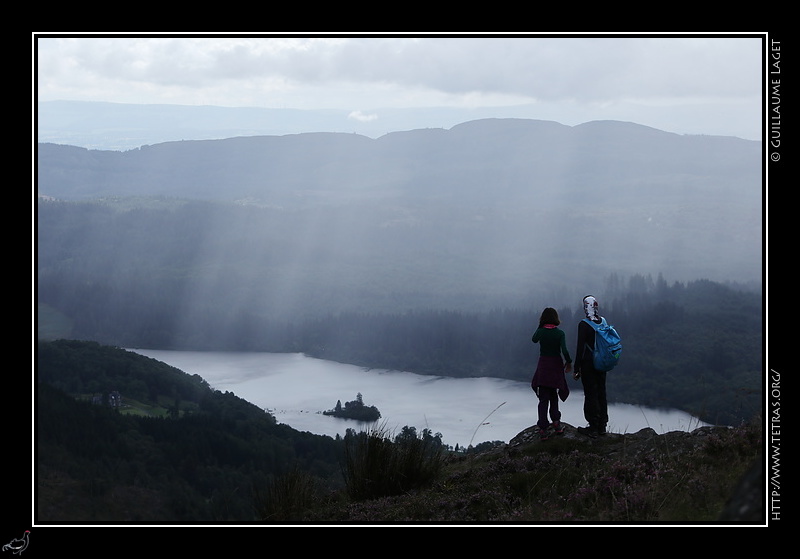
(18, 545)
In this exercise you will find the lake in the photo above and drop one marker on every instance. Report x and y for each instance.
(296, 389)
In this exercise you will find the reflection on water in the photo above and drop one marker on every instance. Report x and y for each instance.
(296, 389)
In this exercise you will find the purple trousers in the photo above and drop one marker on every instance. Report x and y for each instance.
(548, 402)
(550, 385)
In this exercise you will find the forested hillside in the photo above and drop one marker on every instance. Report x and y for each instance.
(175, 450)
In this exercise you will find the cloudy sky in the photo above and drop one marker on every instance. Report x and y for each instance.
(708, 84)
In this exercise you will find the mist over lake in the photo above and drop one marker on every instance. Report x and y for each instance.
(296, 389)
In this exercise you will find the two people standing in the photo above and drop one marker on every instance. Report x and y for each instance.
(549, 381)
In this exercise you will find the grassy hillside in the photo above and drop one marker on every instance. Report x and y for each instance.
(640, 478)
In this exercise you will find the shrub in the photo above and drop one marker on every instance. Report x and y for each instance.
(287, 497)
(375, 467)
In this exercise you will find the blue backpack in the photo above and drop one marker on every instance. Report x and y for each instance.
(607, 345)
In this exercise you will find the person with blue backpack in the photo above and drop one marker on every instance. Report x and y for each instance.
(598, 350)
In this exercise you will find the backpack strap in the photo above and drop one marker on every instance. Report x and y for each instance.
(595, 325)
(586, 346)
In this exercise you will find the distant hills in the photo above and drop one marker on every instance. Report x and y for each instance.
(498, 192)
(532, 160)
(124, 126)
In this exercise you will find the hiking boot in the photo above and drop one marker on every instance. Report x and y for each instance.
(588, 431)
(543, 436)
(558, 428)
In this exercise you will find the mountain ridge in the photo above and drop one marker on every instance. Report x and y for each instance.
(484, 153)
(122, 126)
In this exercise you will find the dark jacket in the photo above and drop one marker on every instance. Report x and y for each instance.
(585, 347)
(550, 367)
(552, 342)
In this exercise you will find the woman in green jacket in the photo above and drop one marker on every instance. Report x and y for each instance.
(549, 381)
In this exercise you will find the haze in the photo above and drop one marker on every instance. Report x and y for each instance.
(425, 211)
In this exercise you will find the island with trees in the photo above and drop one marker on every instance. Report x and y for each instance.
(355, 409)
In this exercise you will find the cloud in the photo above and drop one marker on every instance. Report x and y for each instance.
(361, 117)
(592, 75)
(597, 69)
